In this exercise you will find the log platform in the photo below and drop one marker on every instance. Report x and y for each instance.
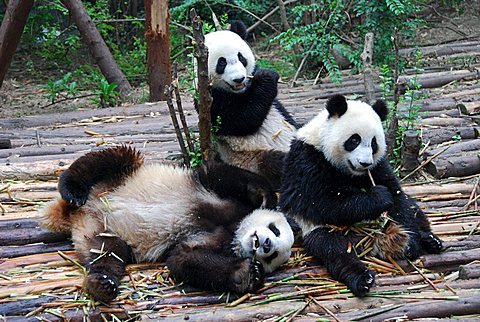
(40, 278)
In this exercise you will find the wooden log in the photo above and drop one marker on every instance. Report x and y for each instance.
(24, 250)
(454, 166)
(455, 148)
(157, 34)
(150, 110)
(469, 271)
(11, 30)
(445, 121)
(97, 46)
(410, 148)
(432, 80)
(436, 136)
(22, 307)
(469, 108)
(446, 259)
(438, 104)
(442, 50)
(460, 95)
(434, 189)
(433, 309)
(24, 236)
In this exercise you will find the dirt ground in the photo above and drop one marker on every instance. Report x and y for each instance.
(21, 96)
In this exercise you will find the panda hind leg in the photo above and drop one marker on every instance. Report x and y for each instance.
(428, 241)
(331, 248)
(106, 264)
(210, 267)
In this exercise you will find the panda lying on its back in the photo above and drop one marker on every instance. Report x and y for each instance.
(255, 129)
(326, 182)
(205, 223)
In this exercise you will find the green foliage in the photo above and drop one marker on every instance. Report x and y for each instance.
(61, 88)
(329, 24)
(409, 116)
(196, 156)
(107, 95)
(284, 68)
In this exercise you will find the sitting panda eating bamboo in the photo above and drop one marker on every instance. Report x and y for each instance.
(214, 226)
(255, 129)
(337, 177)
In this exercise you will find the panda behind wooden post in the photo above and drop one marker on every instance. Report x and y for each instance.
(255, 129)
(208, 224)
(326, 183)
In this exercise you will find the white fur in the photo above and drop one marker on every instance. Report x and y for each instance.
(256, 224)
(155, 203)
(228, 44)
(329, 134)
(274, 134)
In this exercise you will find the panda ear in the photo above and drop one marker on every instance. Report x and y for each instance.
(380, 107)
(238, 27)
(336, 106)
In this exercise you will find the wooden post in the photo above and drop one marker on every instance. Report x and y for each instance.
(368, 75)
(157, 35)
(410, 149)
(11, 31)
(205, 97)
(95, 43)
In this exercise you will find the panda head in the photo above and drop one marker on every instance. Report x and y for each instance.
(349, 133)
(265, 235)
(230, 59)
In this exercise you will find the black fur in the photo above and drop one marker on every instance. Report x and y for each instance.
(243, 114)
(381, 108)
(238, 27)
(315, 190)
(109, 166)
(204, 259)
(336, 105)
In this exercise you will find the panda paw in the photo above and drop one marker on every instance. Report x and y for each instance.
(72, 191)
(266, 74)
(261, 197)
(102, 287)
(360, 284)
(248, 277)
(431, 243)
(383, 197)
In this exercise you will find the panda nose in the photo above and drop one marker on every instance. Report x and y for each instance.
(239, 80)
(365, 164)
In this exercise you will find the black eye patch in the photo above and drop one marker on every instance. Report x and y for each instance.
(242, 59)
(274, 229)
(221, 64)
(352, 142)
(270, 258)
(374, 145)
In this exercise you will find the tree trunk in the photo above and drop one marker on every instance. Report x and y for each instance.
(97, 46)
(205, 101)
(283, 15)
(157, 35)
(11, 31)
(367, 59)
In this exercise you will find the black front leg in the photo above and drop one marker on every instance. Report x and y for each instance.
(209, 268)
(242, 185)
(346, 267)
(108, 166)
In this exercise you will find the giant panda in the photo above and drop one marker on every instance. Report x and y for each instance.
(214, 226)
(255, 129)
(327, 185)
